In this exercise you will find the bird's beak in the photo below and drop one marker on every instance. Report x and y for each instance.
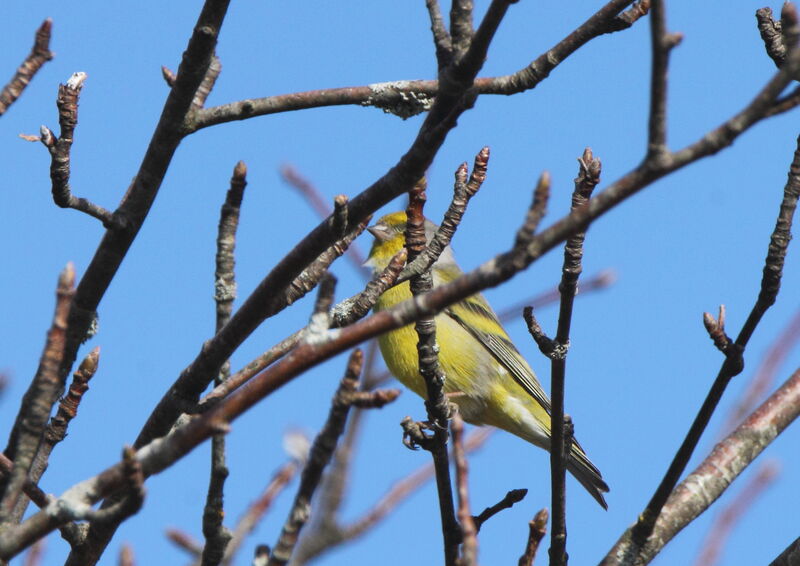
(380, 232)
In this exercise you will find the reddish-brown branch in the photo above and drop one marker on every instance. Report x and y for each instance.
(39, 55)
(37, 403)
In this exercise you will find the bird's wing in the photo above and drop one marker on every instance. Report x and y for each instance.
(468, 313)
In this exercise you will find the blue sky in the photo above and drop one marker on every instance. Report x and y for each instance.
(640, 361)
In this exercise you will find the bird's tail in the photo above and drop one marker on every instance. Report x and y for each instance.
(587, 473)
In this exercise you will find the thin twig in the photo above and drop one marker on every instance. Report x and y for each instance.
(56, 429)
(662, 44)
(37, 403)
(186, 542)
(39, 55)
(441, 38)
(61, 147)
(469, 542)
(537, 531)
(561, 442)
(511, 498)
(217, 536)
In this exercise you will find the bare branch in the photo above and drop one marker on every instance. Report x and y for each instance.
(441, 38)
(408, 98)
(37, 403)
(511, 498)
(436, 404)
(61, 147)
(185, 542)
(501, 268)
(217, 536)
(461, 26)
(39, 55)
(662, 43)
(538, 529)
(733, 364)
(469, 542)
(134, 208)
(710, 479)
(56, 429)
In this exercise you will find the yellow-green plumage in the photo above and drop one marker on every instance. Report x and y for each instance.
(485, 375)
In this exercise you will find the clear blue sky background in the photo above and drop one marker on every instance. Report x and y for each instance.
(640, 361)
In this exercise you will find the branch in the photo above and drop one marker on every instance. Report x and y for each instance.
(561, 440)
(441, 38)
(409, 98)
(734, 351)
(469, 531)
(343, 314)
(537, 531)
(56, 429)
(662, 44)
(135, 206)
(217, 536)
(37, 403)
(461, 26)
(39, 55)
(59, 148)
(710, 479)
(436, 404)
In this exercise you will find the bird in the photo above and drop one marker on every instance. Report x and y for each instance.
(485, 375)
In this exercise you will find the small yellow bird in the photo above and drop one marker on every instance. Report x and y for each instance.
(485, 375)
